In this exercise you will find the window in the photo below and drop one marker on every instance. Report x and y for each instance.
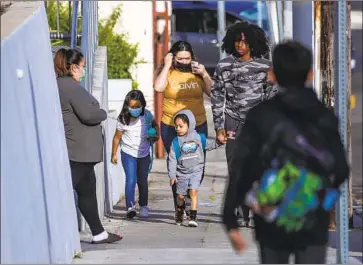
(230, 20)
(210, 21)
(187, 20)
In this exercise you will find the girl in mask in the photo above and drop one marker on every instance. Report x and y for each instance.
(82, 117)
(183, 82)
(133, 127)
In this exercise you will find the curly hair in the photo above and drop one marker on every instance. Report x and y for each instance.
(255, 37)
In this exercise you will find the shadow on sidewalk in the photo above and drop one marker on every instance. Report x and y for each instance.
(355, 240)
(162, 216)
(205, 176)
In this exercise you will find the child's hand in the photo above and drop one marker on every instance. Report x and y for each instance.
(173, 181)
(114, 159)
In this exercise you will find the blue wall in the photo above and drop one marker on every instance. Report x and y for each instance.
(38, 216)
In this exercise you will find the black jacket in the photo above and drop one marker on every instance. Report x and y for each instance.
(303, 105)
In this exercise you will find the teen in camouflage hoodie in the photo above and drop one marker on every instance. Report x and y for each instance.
(240, 83)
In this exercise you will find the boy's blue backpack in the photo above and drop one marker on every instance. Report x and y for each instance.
(176, 145)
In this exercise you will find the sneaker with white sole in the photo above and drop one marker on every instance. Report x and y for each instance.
(193, 219)
(131, 212)
(144, 211)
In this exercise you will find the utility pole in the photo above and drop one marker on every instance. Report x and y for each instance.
(342, 110)
(327, 53)
(327, 78)
(221, 25)
(259, 13)
(287, 19)
(349, 123)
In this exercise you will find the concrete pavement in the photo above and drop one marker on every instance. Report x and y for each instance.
(157, 240)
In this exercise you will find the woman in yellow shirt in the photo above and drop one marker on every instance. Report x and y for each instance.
(183, 87)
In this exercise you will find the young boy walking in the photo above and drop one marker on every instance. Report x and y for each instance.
(186, 163)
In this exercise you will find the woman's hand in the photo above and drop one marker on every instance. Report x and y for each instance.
(168, 60)
(161, 80)
(199, 70)
(114, 159)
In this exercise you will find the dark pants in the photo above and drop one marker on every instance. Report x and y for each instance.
(308, 255)
(168, 133)
(233, 127)
(84, 183)
(136, 171)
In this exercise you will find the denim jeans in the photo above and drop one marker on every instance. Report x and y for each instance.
(168, 133)
(136, 171)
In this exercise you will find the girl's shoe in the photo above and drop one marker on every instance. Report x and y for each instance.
(144, 211)
(131, 212)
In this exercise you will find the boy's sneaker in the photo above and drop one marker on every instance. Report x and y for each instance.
(144, 211)
(131, 212)
(179, 217)
(193, 219)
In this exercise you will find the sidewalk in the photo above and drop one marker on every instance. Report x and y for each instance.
(157, 240)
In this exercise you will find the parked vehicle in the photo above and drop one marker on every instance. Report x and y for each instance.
(197, 23)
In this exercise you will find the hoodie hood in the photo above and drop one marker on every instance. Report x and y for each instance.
(192, 122)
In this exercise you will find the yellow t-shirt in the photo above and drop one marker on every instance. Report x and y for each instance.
(184, 91)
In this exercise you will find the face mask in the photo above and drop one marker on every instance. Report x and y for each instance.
(83, 74)
(183, 67)
(135, 112)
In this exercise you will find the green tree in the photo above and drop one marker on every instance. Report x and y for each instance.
(121, 55)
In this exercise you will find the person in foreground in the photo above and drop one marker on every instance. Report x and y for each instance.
(289, 167)
(82, 117)
(186, 163)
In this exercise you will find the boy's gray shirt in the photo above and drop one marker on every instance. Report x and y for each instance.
(189, 163)
(238, 86)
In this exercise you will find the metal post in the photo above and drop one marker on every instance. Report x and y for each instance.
(85, 39)
(340, 47)
(259, 13)
(273, 24)
(221, 26)
(74, 29)
(58, 26)
(280, 13)
(288, 19)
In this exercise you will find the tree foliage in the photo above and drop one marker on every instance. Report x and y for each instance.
(121, 55)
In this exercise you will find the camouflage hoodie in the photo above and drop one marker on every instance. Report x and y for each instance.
(238, 86)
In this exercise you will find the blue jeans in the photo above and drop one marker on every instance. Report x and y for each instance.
(136, 171)
(168, 133)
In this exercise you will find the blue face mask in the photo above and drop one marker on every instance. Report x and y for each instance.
(135, 112)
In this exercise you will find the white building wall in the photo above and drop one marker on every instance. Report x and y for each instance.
(136, 22)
